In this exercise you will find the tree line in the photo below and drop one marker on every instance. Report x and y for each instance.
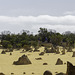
(26, 39)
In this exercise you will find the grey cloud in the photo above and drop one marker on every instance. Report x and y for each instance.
(69, 13)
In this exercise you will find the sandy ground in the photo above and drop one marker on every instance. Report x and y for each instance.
(7, 67)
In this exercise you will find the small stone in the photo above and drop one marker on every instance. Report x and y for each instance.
(59, 62)
(38, 58)
(45, 64)
(24, 73)
(32, 72)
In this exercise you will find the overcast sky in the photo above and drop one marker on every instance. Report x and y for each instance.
(16, 15)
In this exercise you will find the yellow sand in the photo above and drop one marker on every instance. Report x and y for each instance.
(7, 67)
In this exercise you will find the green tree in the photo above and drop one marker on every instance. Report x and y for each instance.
(9, 46)
(5, 43)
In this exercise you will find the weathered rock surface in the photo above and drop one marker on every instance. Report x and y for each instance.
(2, 74)
(3, 52)
(42, 53)
(60, 73)
(70, 69)
(10, 53)
(24, 60)
(52, 50)
(63, 51)
(47, 73)
(45, 64)
(59, 62)
(73, 54)
(57, 50)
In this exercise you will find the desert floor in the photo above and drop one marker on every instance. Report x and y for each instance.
(37, 67)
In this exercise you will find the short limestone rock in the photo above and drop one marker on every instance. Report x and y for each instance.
(73, 54)
(42, 53)
(57, 51)
(70, 69)
(59, 62)
(10, 53)
(24, 60)
(63, 51)
(2, 74)
(47, 73)
(3, 52)
(45, 64)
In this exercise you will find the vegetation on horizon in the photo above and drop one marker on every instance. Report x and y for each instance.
(24, 39)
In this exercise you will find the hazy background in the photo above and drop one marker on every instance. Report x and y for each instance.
(16, 15)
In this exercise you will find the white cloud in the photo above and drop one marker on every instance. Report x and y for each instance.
(33, 23)
(42, 19)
